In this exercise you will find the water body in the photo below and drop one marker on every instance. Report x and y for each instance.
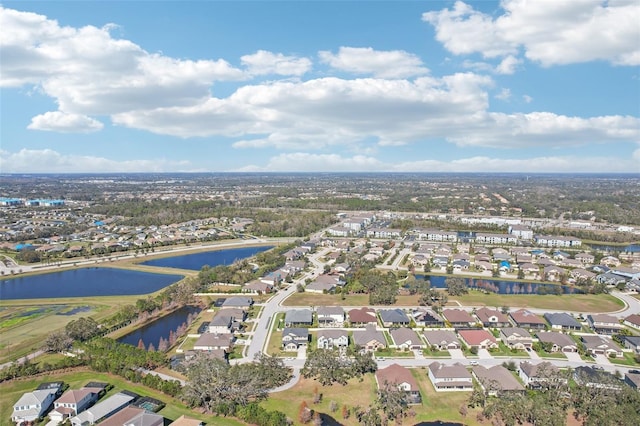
(85, 282)
(504, 287)
(196, 261)
(631, 248)
(160, 328)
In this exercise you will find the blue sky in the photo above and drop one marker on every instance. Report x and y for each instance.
(399, 86)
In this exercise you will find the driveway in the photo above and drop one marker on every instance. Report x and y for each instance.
(602, 360)
(573, 356)
(533, 354)
(456, 354)
(484, 354)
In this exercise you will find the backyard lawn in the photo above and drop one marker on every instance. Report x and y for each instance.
(11, 391)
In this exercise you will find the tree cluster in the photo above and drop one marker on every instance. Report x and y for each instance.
(329, 366)
(456, 286)
(218, 387)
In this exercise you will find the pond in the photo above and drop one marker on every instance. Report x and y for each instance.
(631, 248)
(504, 287)
(84, 282)
(196, 261)
(162, 328)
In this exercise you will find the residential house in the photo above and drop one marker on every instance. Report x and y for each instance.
(33, 405)
(134, 416)
(580, 274)
(604, 323)
(330, 339)
(322, 284)
(600, 345)
(211, 341)
(241, 302)
(458, 318)
(257, 287)
(596, 377)
(632, 320)
(562, 321)
(557, 342)
(610, 261)
(330, 316)
(610, 279)
(450, 377)
(294, 337)
(492, 318)
(532, 375)
(479, 338)
(632, 342)
(516, 338)
(553, 273)
(103, 409)
(72, 402)
(401, 378)
(585, 258)
(361, 317)
(394, 317)
(528, 320)
(298, 317)
(406, 339)
(369, 339)
(483, 266)
(424, 317)
(632, 379)
(496, 379)
(442, 339)
(226, 321)
(529, 268)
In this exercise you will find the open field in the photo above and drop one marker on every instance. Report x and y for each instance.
(24, 324)
(574, 302)
(435, 406)
(11, 391)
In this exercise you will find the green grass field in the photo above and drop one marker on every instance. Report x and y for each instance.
(24, 324)
(574, 302)
(435, 406)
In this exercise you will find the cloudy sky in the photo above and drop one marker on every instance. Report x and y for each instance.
(420, 86)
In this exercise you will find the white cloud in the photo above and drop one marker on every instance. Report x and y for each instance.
(50, 161)
(57, 121)
(306, 162)
(508, 65)
(382, 64)
(499, 130)
(264, 62)
(550, 32)
(504, 95)
(89, 72)
(527, 99)
(323, 112)
(551, 164)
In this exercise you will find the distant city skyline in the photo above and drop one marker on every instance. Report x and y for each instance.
(309, 86)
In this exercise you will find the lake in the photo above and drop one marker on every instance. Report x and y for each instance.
(84, 282)
(196, 261)
(161, 328)
(503, 287)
